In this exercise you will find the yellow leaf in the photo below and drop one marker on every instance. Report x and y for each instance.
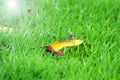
(61, 44)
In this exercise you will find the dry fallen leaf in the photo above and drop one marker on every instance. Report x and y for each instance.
(61, 44)
(56, 46)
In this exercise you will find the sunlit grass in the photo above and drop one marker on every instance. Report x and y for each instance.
(39, 23)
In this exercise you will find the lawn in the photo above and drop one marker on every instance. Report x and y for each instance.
(38, 23)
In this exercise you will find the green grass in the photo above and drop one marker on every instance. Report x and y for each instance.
(21, 55)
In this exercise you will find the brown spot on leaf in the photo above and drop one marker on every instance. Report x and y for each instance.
(58, 53)
(48, 49)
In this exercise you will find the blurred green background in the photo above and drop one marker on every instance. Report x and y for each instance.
(37, 23)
